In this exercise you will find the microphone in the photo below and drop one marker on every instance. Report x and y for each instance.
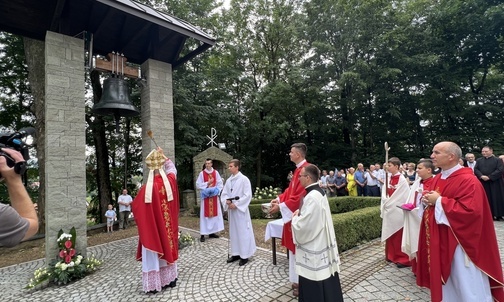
(233, 198)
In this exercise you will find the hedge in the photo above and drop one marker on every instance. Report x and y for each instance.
(337, 204)
(345, 204)
(357, 227)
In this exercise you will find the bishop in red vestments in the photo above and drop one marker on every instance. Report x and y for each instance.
(156, 209)
(458, 253)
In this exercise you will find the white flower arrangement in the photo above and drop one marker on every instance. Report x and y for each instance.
(67, 266)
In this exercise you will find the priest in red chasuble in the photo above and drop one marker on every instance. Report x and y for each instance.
(458, 256)
(156, 209)
(394, 194)
(287, 203)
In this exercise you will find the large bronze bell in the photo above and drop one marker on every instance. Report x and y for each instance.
(115, 99)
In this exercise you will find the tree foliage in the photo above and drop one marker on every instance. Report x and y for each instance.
(341, 76)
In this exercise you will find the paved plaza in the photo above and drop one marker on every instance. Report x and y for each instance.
(204, 275)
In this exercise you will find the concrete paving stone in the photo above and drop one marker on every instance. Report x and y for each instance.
(204, 275)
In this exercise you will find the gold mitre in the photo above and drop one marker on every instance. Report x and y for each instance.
(155, 160)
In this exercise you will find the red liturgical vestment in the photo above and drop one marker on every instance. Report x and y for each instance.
(211, 203)
(466, 207)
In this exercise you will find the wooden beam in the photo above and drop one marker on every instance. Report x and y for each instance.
(119, 67)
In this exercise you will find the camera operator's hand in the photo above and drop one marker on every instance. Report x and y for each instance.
(19, 198)
(8, 172)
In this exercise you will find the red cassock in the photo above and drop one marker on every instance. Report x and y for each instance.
(393, 243)
(158, 221)
(466, 207)
(291, 197)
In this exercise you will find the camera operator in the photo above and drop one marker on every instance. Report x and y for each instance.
(19, 221)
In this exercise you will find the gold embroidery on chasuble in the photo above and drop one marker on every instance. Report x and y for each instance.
(166, 216)
(427, 236)
(167, 219)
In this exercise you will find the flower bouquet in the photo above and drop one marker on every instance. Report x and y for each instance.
(185, 240)
(67, 266)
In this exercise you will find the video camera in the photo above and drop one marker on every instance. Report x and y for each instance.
(15, 141)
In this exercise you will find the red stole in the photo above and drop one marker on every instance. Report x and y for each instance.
(158, 221)
(210, 209)
(394, 180)
(465, 205)
(291, 197)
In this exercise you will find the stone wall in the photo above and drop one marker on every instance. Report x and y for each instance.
(157, 109)
(65, 142)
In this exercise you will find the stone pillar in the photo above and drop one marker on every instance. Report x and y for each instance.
(65, 141)
(157, 109)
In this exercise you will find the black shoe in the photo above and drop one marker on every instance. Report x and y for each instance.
(173, 283)
(399, 265)
(243, 262)
(202, 239)
(213, 236)
(232, 259)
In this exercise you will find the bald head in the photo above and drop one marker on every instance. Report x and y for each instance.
(446, 155)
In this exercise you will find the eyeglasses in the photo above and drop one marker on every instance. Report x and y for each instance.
(302, 175)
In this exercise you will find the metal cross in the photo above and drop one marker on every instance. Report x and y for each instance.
(212, 138)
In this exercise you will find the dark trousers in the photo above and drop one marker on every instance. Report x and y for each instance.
(361, 191)
(123, 219)
(373, 191)
(341, 191)
(328, 290)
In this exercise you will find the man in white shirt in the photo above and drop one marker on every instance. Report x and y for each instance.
(380, 175)
(124, 202)
(372, 182)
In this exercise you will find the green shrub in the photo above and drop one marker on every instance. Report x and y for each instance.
(345, 204)
(357, 227)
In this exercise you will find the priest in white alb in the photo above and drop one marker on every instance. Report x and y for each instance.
(235, 198)
(210, 183)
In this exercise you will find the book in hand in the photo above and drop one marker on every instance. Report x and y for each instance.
(407, 206)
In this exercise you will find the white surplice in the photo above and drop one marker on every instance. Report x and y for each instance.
(241, 232)
(412, 220)
(210, 225)
(317, 256)
(391, 214)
